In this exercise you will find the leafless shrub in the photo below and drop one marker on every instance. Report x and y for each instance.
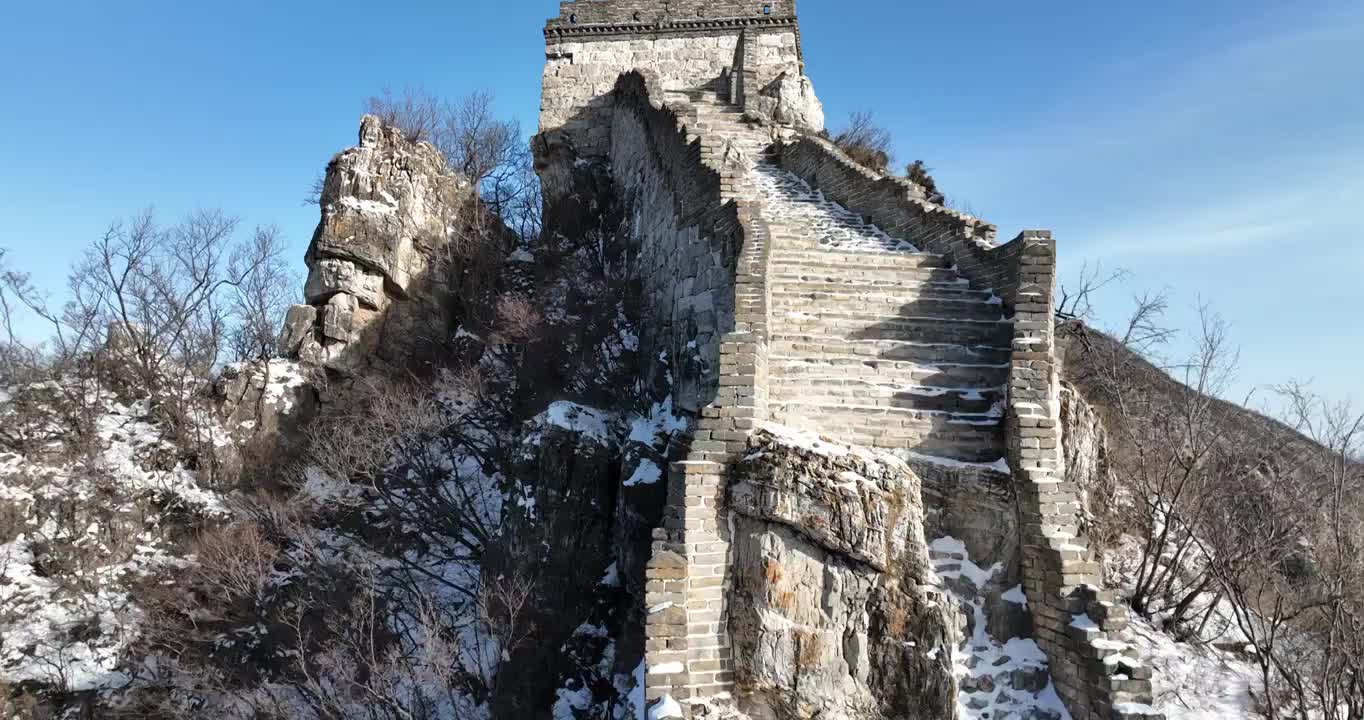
(469, 383)
(361, 669)
(413, 110)
(356, 442)
(919, 174)
(233, 562)
(506, 607)
(866, 142)
(78, 532)
(518, 319)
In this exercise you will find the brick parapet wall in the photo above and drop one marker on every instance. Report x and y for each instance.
(1061, 574)
(898, 207)
(687, 645)
(1074, 621)
(654, 13)
(760, 59)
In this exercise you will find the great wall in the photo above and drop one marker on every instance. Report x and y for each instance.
(798, 288)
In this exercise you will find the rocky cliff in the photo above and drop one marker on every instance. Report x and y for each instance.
(835, 610)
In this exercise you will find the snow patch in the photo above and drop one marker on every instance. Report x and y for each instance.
(585, 421)
(666, 707)
(367, 207)
(671, 668)
(660, 421)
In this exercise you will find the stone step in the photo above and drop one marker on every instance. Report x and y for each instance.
(843, 257)
(838, 240)
(946, 375)
(800, 282)
(967, 438)
(797, 344)
(855, 391)
(840, 260)
(886, 305)
(935, 330)
(907, 289)
(782, 269)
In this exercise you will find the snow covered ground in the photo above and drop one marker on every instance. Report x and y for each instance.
(1194, 682)
(1191, 681)
(76, 533)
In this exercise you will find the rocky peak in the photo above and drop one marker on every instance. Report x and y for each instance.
(389, 207)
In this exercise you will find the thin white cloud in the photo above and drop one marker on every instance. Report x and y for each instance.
(1235, 147)
(1318, 204)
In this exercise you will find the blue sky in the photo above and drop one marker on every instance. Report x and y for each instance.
(1215, 149)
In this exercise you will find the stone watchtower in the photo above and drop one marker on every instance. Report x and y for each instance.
(737, 47)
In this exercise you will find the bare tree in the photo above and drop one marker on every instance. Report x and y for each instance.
(490, 151)
(1255, 522)
(1177, 453)
(1298, 597)
(155, 308)
(16, 294)
(265, 292)
(1076, 302)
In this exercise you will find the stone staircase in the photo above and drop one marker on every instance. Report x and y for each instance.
(870, 341)
(873, 342)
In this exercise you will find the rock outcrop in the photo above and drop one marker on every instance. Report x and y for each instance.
(1085, 451)
(275, 397)
(788, 100)
(833, 612)
(389, 207)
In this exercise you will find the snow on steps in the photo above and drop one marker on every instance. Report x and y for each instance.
(995, 679)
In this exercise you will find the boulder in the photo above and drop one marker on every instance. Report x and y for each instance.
(788, 100)
(833, 612)
(274, 397)
(298, 327)
(330, 276)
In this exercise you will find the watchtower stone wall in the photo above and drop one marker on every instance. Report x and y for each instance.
(688, 44)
